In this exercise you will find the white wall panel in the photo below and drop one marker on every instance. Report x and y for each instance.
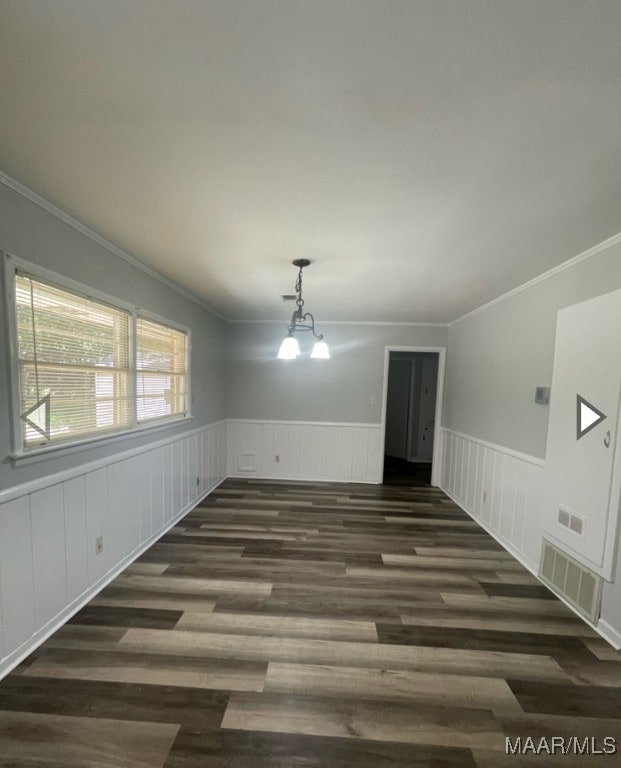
(156, 475)
(16, 574)
(497, 491)
(508, 505)
(177, 473)
(75, 536)
(282, 463)
(195, 480)
(141, 464)
(471, 474)
(267, 465)
(452, 463)
(320, 450)
(504, 491)
(188, 489)
(333, 452)
(293, 454)
(48, 563)
(477, 499)
(521, 501)
(462, 461)
(47, 516)
(375, 455)
(123, 519)
(487, 485)
(96, 522)
(167, 485)
(346, 452)
(360, 449)
(306, 450)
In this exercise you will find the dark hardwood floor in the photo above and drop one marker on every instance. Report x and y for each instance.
(290, 625)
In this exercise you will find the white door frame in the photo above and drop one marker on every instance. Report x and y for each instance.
(437, 438)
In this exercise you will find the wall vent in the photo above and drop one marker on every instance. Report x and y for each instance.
(247, 461)
(577, 584)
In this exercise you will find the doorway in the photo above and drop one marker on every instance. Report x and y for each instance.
(411, 414)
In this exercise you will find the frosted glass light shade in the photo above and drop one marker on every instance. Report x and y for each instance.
(289, 349)
(321, 350)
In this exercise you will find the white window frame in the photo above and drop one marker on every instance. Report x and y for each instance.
(13, 265)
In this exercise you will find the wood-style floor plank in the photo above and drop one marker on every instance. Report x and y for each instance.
(391, 685)
(316, 625)
(79, 742)
(412, 723)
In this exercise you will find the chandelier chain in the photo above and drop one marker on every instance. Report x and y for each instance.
(298, 289)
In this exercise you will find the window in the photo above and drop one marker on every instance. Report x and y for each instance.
(160, 371)
(86, 368)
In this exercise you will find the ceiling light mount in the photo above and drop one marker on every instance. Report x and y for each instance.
(301, 321)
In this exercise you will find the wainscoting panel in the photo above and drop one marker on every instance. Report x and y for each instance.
(304, 450)
(16, 576)
(501, 489)
(507, 493)
(75, 536)
(49, 566)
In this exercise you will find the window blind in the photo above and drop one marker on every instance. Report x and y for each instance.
(75, 351)
(161, 355)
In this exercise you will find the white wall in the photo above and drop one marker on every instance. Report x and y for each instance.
(48, 564)
(36, 235)
(340, 390)
(128, 489)
(499, 355)
(332, 408)
(496, 358)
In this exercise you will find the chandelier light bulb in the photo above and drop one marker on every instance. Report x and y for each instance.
(289, 349)
(321, 350)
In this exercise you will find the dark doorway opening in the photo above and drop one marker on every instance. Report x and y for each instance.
(410, 417)
(401, 472)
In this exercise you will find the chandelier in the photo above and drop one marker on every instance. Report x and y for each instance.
(301, 321)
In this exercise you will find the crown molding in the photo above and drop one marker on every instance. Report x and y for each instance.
(603, 246)
(322, 322)
(35, 198)
(24, 191)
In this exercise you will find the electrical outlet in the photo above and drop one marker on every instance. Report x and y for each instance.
(276, 458)
(99, 545)
(198, 480)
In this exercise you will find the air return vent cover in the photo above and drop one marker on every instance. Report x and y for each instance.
(576, 583)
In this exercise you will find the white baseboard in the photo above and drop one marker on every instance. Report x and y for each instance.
(609, 633)
(298, 479)
(602, 628)
(19, 654)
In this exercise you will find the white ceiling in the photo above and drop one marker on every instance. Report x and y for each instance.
(427, 156)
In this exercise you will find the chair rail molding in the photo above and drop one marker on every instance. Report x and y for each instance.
(49, 567)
